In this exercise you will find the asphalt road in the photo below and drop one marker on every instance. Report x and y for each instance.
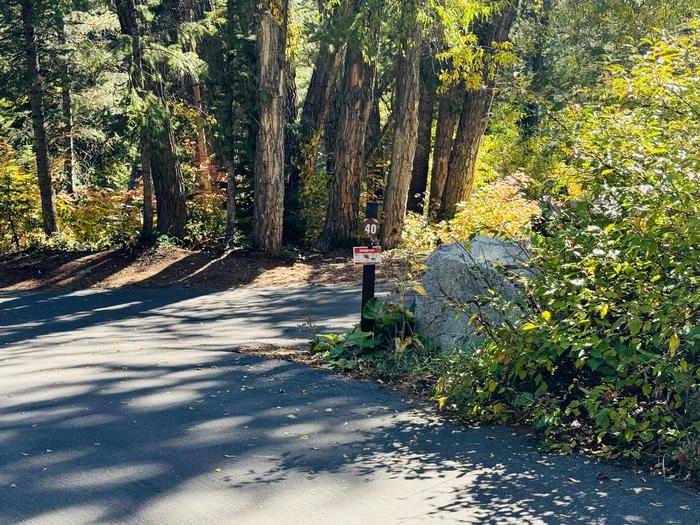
(132, 407)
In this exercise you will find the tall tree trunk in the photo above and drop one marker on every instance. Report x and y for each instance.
(230, 203)
(318, 96)
(291, 138)
(375, 159)
(67, 106)
(147, 227)
(448, 113)
(35, 82)
(202, 159)
(406, 137)
(330, 135)
(355, 101)
(269, 157)
(169, 186)
(475, 115)
(68, 146)
(315, 110)
(168, 182)
(426, 106)
(293, 224)
(128, 20)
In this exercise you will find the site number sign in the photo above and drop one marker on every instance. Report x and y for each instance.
(371, 228)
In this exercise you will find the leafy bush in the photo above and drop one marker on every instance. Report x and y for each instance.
(97, 218)
(19, 202)
(206, 225)
(497, 209)
(608, 357)
(393, 350)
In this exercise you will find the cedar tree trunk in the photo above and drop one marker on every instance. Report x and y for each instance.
(421, 163)
(406, 137)
(448, 113)
(269, 155)
(355, 100)
(67, 106)
(35, 81)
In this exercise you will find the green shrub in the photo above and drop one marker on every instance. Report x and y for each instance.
(19, 202)
(206, 224)
(392, 350)
(608, 358)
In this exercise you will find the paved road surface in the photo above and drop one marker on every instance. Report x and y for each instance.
(131, 407)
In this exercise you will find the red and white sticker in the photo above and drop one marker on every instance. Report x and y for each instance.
(364, 256)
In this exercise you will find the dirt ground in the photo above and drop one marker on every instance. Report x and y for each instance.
(144, 267)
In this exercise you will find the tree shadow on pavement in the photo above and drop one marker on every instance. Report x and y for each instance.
(95, 429)
(196, 316)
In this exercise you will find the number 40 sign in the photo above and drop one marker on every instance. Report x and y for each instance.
(371, 229)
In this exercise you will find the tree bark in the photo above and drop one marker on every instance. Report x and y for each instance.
(355, 101)
(35, 82)
(128, 20)
(426, 109)
(168, 183)
(315, 110)
(475, 115)
(230, 203)
(330, 135)
(293, 224)
(448, 113)
(147, 227)
(406, 136)
(67, 106)
(202, 159)
(269, 156)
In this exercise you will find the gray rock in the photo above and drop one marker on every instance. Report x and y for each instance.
(459, 273)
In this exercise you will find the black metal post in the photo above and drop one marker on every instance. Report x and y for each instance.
(368, 274)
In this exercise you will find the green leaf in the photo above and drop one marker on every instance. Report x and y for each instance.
(635, 325)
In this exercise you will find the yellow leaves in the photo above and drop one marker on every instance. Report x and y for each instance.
(497, 209)
(673, 344)
(527, 327)
(441, 402)
(420, 289)
(547, 315)
(604, 310)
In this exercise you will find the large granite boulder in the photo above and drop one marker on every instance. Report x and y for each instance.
(459, 273)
